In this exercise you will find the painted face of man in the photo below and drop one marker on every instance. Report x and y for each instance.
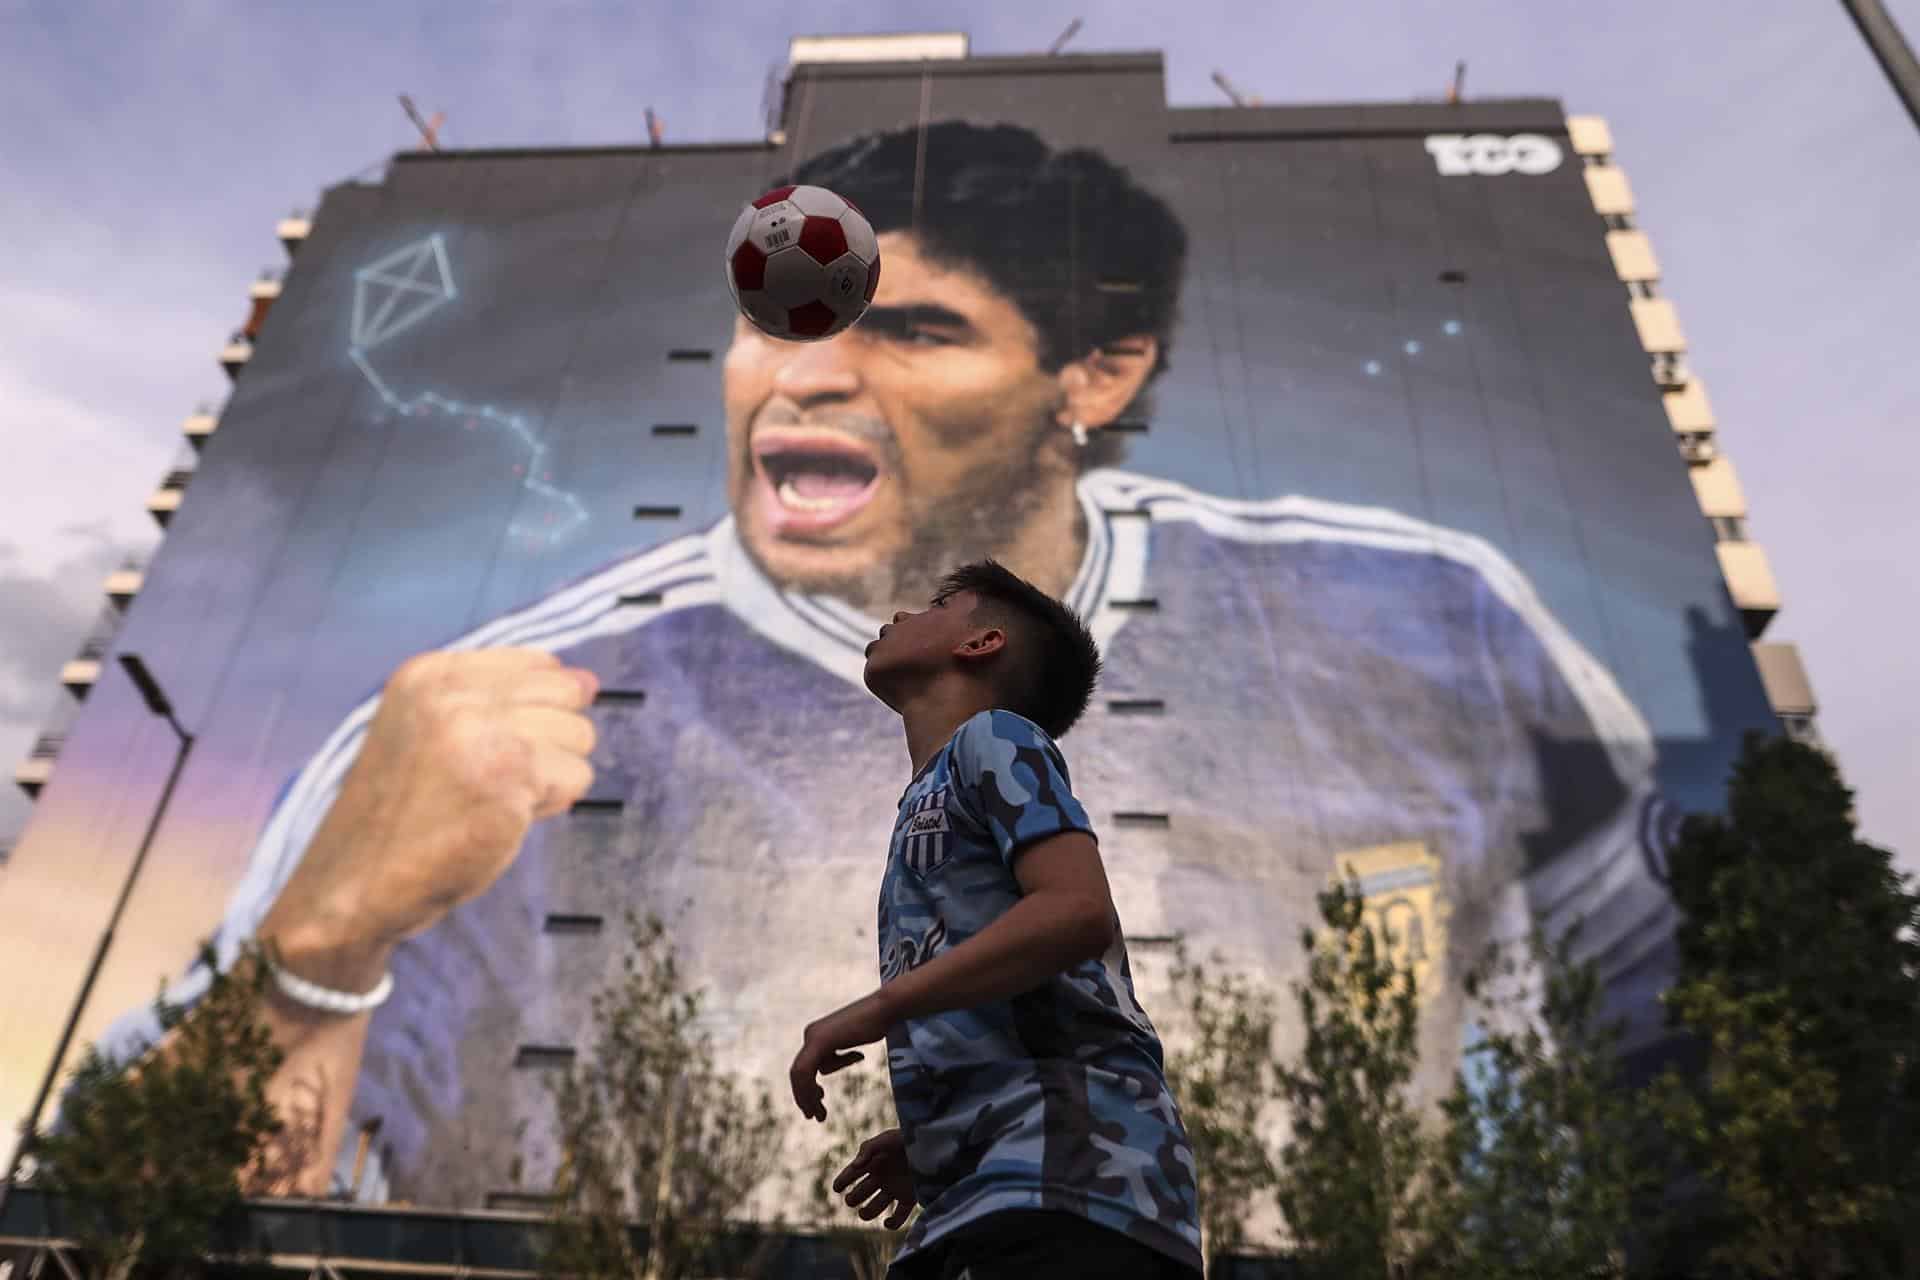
(867, 465)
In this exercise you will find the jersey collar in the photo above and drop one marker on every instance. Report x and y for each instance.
(834, 634)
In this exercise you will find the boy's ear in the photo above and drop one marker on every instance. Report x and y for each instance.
(983, 643)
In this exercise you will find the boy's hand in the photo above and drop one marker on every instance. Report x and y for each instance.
(883, 1174)
(824, 1050)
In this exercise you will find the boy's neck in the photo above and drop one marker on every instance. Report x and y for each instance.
(936, 713)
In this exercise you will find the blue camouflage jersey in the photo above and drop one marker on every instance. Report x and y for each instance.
(1056, 1099)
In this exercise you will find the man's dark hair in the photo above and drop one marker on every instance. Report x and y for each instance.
(1088, 255)
(1050, 665)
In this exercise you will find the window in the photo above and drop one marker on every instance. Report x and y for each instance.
(690, 354)
(640, 598)
(597, 806)
(1136, 706)
(656, 513)
(573, 924)
(1697, 446)
(1618, 221)
(521, 1201)
(633, 697)
(1641, 289)
(1728, 528)
(544, 1055)
(1145, 604)
(1140, 818)
(1799, 726)
(675, 428)
(1453, 275)
(1670, 370)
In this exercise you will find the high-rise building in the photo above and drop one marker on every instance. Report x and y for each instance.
(1361, 434)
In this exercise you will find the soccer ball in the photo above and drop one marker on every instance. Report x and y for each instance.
(802, 263)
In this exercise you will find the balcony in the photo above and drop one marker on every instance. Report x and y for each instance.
(1670, 372)
(1785, 677)
(80, 675)
(1611, 195)
(293, 231)
(32, 773)
(1658, 325)
(1717, 487)
(1632, 255)
(123, 584)
(234, 356)
(1688, 409)
(167, 498)
(200, 424)
(261, 296)
(1590, 135)
(1697, 447)
(1750, 582)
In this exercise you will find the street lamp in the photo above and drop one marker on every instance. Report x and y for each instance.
(157, 703)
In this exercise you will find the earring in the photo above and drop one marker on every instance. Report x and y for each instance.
(1080, 433)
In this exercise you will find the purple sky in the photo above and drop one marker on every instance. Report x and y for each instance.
(150, 149)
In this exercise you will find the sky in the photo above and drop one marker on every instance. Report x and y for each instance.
(150, 149)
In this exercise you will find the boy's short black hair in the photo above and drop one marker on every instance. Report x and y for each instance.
(1051, 662)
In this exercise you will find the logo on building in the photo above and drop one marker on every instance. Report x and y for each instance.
(1489, 154)
(1405, 906)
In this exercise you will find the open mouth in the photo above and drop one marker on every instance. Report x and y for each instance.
(813, 480)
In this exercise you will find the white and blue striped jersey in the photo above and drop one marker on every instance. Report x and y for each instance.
(1333, 679)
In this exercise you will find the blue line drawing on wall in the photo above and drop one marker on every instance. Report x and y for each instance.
(397, 292)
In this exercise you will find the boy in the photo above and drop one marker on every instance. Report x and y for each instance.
(1036, 1131)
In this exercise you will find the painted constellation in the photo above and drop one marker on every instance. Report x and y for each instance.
(397, 292)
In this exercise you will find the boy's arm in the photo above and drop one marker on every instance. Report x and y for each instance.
(1065, 915)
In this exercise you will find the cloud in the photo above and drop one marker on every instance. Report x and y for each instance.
(51, 606)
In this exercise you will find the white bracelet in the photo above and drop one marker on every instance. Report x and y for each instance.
(315, 996)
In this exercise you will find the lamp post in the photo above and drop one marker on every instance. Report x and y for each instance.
(157, 703)
(1890, 50)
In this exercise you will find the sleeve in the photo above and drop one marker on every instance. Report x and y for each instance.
(1010, 777)
(297, 811)
(1576, 794)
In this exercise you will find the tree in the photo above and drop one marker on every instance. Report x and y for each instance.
(1223, 1078)
(1799, 984)
(1347, 1175)
(1536, 1171)
(862, 1107)
(652, 1132)
(151, 1155)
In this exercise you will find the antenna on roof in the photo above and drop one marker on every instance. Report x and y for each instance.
(1459, 85)
(1226, 87)
(1064, 37)
(656, 127)
(429, 129)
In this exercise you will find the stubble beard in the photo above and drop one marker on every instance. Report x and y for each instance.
(983, 515)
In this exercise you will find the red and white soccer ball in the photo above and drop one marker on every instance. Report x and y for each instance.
(802, 263)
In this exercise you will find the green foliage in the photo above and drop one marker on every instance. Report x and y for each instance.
(1536, 1172)
(1800, 981)
(860, 1107)
(1347, 1178)
(1223, 1080)
(652, 1132)
(150, 1155)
